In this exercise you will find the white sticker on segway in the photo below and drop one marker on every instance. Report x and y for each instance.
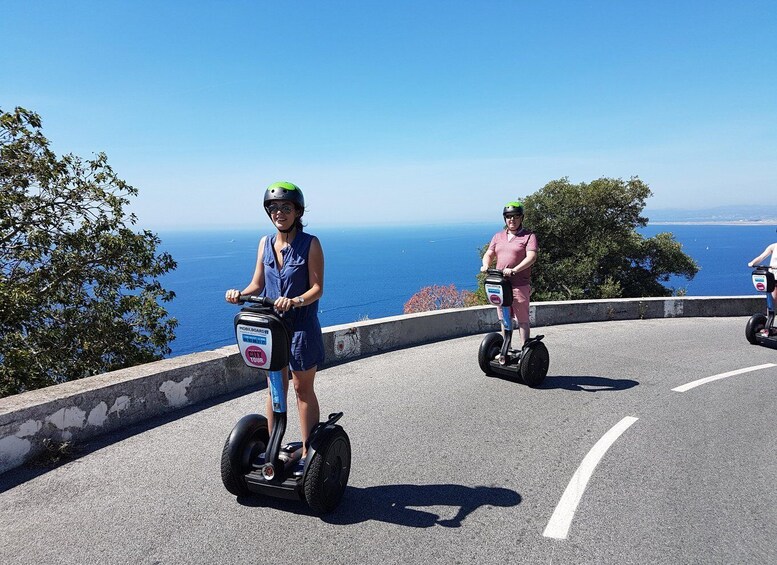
(759, 282)
(494, 294)
(255, 346)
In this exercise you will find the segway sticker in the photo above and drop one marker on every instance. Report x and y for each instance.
(255, 345)
(494, 293)
(759, 282)
(255, 356)
(276, 386)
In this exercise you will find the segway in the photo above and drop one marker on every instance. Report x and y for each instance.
(496, 356)
(255, 461)
(760, 328)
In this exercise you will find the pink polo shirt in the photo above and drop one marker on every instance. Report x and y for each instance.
(510, 253)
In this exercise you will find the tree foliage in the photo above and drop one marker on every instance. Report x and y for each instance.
(590, 246)
(79, 293)
(479, 297)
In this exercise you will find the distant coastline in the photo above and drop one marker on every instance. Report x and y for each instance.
(749, 215)
(766, 222)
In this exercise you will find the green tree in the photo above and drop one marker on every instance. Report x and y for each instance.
(79, 293)
(590, 246)
(479, 296)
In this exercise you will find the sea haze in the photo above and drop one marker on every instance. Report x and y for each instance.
(372, 272)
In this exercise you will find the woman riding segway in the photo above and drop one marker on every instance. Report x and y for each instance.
(290, 271)
(282, 332)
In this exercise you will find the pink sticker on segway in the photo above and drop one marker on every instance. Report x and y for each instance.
(759, 282)
(255, 356)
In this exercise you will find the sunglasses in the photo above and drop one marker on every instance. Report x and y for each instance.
(275, 208)
(512, 217)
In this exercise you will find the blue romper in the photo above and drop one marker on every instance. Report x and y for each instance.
(307, 343)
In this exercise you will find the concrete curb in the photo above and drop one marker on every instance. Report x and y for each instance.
(83, 409)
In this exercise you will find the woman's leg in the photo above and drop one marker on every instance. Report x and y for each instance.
(268, 404)
(307, 402)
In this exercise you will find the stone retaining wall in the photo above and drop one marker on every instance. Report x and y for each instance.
(80, 410)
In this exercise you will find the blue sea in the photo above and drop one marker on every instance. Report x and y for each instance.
(372, 272)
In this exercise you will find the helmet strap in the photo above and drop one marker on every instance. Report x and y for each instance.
(287, 231)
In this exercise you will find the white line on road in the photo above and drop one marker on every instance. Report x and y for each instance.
(694, 384)
(558, 526)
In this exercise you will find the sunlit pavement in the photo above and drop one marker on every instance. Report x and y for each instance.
(451, 466)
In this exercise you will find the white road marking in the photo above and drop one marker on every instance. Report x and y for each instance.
(700, 382)
(558, 526)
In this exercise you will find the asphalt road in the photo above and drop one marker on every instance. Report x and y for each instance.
(451, 466)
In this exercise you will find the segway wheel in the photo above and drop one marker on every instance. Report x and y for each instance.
(327, 474)
(489, 349)
(535, 361)
(755, 324)
(248, 439)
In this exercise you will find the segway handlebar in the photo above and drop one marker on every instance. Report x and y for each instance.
(261, 300)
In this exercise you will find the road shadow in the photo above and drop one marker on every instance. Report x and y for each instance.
(400, 504)
(587, 383)
(403, 505)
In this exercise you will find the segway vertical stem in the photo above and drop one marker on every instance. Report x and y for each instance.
(279, 418)
(507, 324)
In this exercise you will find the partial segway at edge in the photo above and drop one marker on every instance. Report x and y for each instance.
(760, 329)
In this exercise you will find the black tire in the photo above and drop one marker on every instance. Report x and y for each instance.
(755, 324)
(535, 361)
(328, 471)
(235, 465)
(489, 349)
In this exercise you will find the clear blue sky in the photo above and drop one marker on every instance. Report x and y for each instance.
(400, 111)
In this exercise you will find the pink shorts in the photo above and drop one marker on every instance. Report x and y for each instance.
(519, 310)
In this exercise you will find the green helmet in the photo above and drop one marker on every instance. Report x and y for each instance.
(284, 191)
(514, 207)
